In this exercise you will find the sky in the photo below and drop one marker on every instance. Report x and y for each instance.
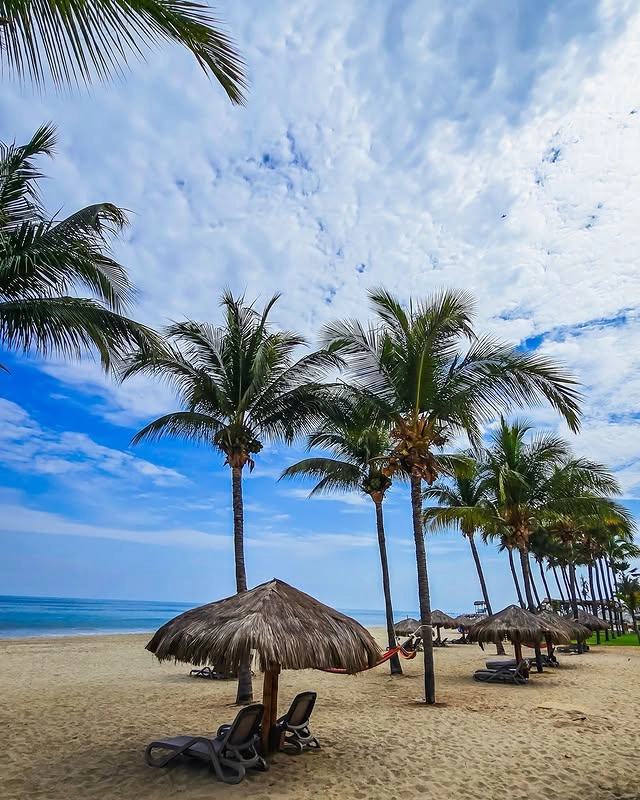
(491, 147)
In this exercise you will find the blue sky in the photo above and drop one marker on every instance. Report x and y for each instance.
(491, 147)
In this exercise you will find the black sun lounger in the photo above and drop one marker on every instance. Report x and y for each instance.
(295, 723)
(516, 675)
(208, 672)
(230, 753)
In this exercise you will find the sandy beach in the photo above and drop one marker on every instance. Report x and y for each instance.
(78, 712)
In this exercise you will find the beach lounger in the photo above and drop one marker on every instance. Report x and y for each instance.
(208, 672)
(230, 753)
(517, 675)
(295, 723)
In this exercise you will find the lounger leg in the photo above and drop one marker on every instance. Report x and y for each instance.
(162, 761)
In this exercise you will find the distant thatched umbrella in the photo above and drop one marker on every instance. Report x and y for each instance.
(465, 621)
(518, 625)
(288, 628)
(441, 620)
(591, 621)
(406, 627)
(575, 629)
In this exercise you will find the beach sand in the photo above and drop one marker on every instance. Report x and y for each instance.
(77, 713)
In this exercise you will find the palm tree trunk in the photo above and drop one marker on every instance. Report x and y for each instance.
(526, 579)
(424, 596)
(555, 575)
(594, 605)
(514, 575)
(544, 580)
(533, 583)
(245, 687)
(604, 566)
(606, 611)
(567, 582)
(483, 585)
(574, 600)
(617, 588)
(394, 661)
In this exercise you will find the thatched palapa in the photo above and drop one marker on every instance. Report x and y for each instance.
(592, 622)
(288, 628)
(465, 621)
(406, 627)
(574, 629)
(518, 625)
(442, 620)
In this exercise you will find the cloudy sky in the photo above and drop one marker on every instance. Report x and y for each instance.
(487, 146)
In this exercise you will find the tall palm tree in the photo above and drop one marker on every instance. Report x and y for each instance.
(429, 386)
(629, 594)
(239, 386)
(537, 482)
(359, 448)
(462, 501)
(46, 263)
(73, 41)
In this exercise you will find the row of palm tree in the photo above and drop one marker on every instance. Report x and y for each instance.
(532, 495)
(409, 373)
(412, 381)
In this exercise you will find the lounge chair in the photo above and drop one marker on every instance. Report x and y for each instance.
(208, 672)
(295, 723)
(230, 753)
(516, 675)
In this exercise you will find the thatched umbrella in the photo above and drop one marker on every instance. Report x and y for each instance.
(406, 627)
(575, 629)
(518, 625)
(464, 622)
(441, 620)
(591, 621)
(286, 627)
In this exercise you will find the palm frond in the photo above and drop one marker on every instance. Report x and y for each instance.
(77, 40)
(48, 259)
(187, 425)
(20, 198)
(72, 327)
(335, 476)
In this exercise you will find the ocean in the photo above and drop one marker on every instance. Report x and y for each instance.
(64, 616)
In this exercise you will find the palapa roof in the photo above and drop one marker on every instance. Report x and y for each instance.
(518, 625)
(574, 629)
(592, 622)
(465, 621)
(406, 626)
(286, 627)
(440, 618)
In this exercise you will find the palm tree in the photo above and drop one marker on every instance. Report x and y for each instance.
(74, 40)
(360, 449)
(538, 482)
(412, 365)
(629, 594)
(239, 386)
(462, 501)
(45, 263)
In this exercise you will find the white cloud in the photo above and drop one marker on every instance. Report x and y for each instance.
(17, 518)
(466, 147)
(27, 447)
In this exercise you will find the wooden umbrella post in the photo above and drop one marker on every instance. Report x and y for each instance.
(517, 648)
(270, 701)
